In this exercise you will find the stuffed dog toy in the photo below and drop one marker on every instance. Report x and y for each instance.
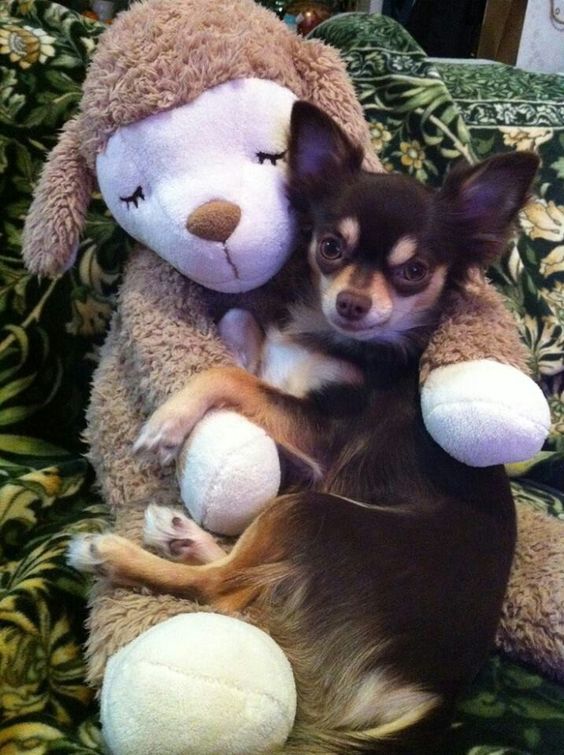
(183, 126)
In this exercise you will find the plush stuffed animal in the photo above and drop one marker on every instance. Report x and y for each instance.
(183, 124)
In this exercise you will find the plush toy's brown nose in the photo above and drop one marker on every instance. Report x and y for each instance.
(215, 220)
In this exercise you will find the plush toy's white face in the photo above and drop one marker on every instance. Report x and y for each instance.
(203, 184)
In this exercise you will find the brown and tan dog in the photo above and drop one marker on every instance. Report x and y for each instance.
(383, 578)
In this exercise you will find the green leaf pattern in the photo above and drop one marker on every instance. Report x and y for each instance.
(422, 116)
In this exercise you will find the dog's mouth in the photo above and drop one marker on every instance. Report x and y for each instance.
(360, 331)
(370, 327)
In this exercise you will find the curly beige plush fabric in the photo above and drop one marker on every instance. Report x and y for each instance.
(532, 625)
(158, 55)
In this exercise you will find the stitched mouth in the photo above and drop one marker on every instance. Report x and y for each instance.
(230, 262)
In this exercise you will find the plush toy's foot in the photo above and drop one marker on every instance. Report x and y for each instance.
(198, 684)
(484, 412)
(176, 536)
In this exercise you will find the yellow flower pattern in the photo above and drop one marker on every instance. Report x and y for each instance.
(26, 6)
(553, 263)
(25, 45)
(412, 155)
(379, 136)
(525, 138)
(90, 316)
(542, 219)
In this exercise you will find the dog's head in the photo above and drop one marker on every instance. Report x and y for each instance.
(384, 247)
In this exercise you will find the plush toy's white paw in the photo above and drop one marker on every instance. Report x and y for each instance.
(176, 536)
(198, 684)
(228, 471)
(484, 412)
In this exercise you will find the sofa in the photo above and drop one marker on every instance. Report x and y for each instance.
(423, 114)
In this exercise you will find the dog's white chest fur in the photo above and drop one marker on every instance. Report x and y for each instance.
(297, 370)
(279, 359)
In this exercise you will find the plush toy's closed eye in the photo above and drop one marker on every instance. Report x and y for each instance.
(272, 157)
(134, 198)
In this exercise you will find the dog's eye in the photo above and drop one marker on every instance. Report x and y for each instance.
(271, 157)
(135, 198)
(331, 248)
(412, 272)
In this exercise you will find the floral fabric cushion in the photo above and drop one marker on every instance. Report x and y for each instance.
(521, 110)
(50, 336)
(426, 114)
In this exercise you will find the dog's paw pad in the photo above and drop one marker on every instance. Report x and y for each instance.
(173, 533)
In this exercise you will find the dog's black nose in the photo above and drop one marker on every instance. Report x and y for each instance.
(352, 305)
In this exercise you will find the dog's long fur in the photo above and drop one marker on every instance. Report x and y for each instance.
(383, 581)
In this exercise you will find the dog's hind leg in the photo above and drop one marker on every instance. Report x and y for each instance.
(256, 562)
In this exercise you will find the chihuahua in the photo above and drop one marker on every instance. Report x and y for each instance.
(382, 577)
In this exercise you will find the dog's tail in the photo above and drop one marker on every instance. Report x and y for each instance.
(404, 736)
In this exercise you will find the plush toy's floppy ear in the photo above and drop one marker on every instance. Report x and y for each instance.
(56, 216)
(327, 85)
(478, 204)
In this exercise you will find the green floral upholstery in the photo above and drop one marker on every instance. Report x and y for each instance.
(423, 116)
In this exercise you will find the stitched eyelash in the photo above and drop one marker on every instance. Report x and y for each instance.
(134, 198)
(272, 156)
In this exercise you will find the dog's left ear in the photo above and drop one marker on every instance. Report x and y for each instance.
(478, 204)
(320, 155)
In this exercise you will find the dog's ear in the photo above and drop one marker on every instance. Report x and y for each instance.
(320, 155)
(478, 205)
(58, 211)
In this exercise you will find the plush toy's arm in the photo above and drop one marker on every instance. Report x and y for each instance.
(476, 324)
(160, 335)
(229, 467)
(172, 333)
(477, 401)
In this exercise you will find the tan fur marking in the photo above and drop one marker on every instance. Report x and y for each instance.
(311, 250)
(382, 298)
(361, 277)
(407, 309)
(402, 251)
(379, 696)
(349, 229)
(332, 285)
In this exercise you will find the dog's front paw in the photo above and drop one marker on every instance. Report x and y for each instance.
(175, 535)
(100, 554)
(165, 432)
